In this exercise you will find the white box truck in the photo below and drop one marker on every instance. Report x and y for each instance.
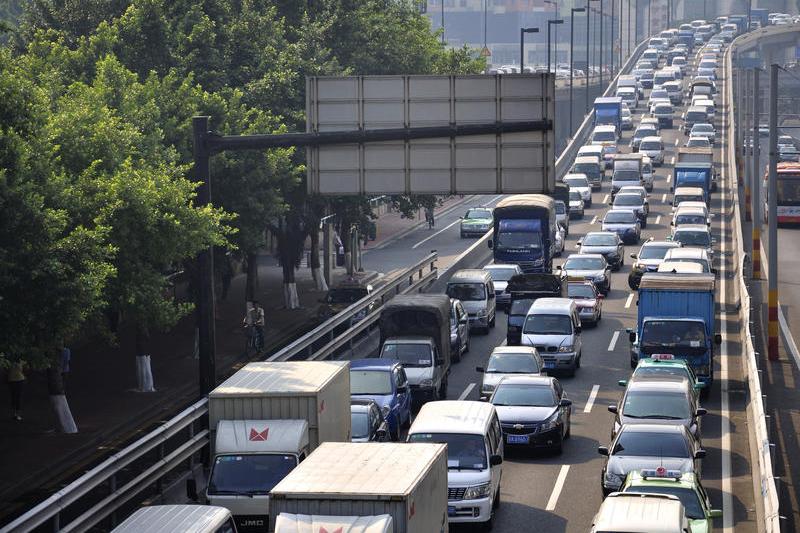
(303, 523)
(266, 419)
(405, 481)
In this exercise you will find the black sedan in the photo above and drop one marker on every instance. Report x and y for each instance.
(534, 412)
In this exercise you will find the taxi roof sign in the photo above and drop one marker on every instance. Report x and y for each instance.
(663, 357)
(662, 473)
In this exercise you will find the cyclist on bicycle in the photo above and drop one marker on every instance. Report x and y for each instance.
(254, 321)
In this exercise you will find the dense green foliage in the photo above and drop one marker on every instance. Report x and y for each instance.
(96, 100)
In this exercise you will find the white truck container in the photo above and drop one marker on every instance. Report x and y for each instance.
(406, 481)
(186, 518)
(303, 523)
(267, 418)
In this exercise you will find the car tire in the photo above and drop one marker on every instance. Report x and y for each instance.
(493, 320)
(496, 502)
(578, 361)
(394, 436)
(443, 390)
(644, 223)
(456, 355)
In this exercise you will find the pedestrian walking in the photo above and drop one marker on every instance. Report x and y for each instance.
(66, 357)
(16, 380)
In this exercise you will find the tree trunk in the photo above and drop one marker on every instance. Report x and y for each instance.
(316, 267)
(144, 373)
(252, 277)
(290, 298)
(58, 400)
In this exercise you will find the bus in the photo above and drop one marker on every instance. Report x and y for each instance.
(788, 193)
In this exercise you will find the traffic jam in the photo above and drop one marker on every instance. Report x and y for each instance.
(604, 290)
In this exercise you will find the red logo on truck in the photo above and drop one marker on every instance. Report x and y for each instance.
(258, 435)
(323, 530)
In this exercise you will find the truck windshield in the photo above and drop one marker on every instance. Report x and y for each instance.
(693, 238)
(654, 252)
(661, 405)
(410, 354)
(249, 474)
(651, 444)
(370, 382)
(626, 175)
(658, 334)
(502, 274)
(466, 291)
(688, 198)
(518, 239)
(464, 452)
(548, 325)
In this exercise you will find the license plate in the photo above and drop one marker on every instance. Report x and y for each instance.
(549, 364)
(451, 511)
(517, 439)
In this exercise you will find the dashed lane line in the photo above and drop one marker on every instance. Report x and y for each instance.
(629, 301)
(658, 220)
(590, 401)
(594, 220)
(562, 477)
(467, 391)
(613, 343)
(664, 198)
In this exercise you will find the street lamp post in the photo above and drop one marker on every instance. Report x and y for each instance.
(442, 21)
(554, 3)
(571, 49)
(522, 32)
(550, 24)
(613, 24)
(588, 62)
(601, 44)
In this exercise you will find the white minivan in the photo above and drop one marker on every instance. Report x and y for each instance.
(475, 289)
(195, 518)
(553, 327)
(640, 513)
(474, 441)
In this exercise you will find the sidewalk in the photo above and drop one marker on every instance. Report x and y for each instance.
(100, 386)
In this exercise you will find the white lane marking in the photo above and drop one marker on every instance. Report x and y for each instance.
(562, 476)
(613, 342)
(787, 337)
(605, 199)
(664, 198)
(467, 391)
(669, 178)
(493, 200)
(658, 219)
(429, 237)
(594, 220)
(590, 401)
(676, 142)
(629, 301)
(672, 163)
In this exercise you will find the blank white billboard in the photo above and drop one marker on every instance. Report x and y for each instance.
(470, 164)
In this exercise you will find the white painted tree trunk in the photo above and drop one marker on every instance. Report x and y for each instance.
(290, 298)
(321, 285)
(144, 374)
(66, 424)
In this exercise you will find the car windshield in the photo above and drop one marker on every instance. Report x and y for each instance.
(620, 217)
(370, 382)
(520, 307)
(512, 363)
(687, 496)
(575, 196)
(502, 274)
(694, 116)
(650, 145)
(600, 240)
(464, 452)
(673, 333)
(580, 290)
(644, 132)
(517, 239)
(359, 424)
(345, 296)
(651, 444)
(702, 128)
(663, 109)
(584, 168)
(576, 182)
(249, 473)
(698, 143)
(660, 93)
(467, 291)
(628, 199)
(524, 395)
(693, 238)
(688, 198)
(479, 213)
(661, 405)
(654, 252)
(410, 354)
(689, 219)
(602, 136)
(584, 263)
(609, 149)
(658, 371)
(626, 175)
(548, 325)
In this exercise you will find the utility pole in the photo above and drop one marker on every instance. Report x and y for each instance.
(739, 120)
(601, 45)
(442, 22)
(756, 193)
(772, 210)
(613, 24)
(571, 50)
(748, 178)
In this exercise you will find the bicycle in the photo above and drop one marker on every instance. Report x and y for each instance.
(255, 339)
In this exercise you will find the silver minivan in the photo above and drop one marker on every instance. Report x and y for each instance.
(553, 327)
(475, 289)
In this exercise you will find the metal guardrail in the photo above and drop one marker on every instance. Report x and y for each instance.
(768, 507)
(192, 420)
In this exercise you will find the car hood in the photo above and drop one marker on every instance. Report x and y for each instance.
(531, 339)
(598, 249)
(381, 399)
(624, 465)
(639, 207)
(576, 203)
(500, 286)
(584, 273)
(582, 190)
(585, 302)
(466, 478)
(616, 226)
(476, 221)
(520, 414)
(493, 378)
(666, 422)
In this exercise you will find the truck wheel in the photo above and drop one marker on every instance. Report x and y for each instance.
(443, 390)
(492, 321)
(457, 353)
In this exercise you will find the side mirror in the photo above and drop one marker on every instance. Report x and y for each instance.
(671, 188)
(634, 256)
(600, 296)
(612, 409)
(632, 336)
(622, 383)
(699, 385)
(700, 454)
(578, 329)
(495, 460)
(714, 513)
(490, 244)
(381, 432)
(463, 321)
(717, 339)
(714, 271)
(558, 267)
(565, 402)
(191, 490)
(603, 450)
(701, 411)
(439, 361)
(579, 243)
(484, 399)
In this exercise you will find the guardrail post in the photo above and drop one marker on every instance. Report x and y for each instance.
(56, 522)
(160, 480)
(112, 488)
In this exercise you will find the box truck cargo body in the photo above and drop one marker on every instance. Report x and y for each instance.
(405, 481)
(303, 523)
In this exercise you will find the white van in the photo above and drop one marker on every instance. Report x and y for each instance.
(604, 134)
(640, 513)
(648, 175)
(194, 518)
(553, 327)
(474, 441)
(629, 96)
(475, 289)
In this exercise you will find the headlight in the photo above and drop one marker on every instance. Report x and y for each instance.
(482, 311)
(566, 349)
(613, 480)
(550, 423)
(426, 383)
(453, 337)
(477, 491)
(386, 410)
(487, 388)
(538, 262)
(601, 277)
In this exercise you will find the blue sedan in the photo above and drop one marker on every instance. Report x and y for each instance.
(385, 382)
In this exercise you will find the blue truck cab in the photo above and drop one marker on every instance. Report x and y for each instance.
(524, 232)
(695, 175)
(608, 111)
(686, 37)
(676, 316)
